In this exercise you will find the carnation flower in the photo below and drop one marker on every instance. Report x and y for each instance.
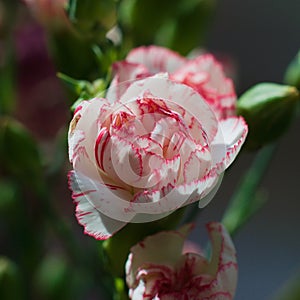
(157, 148)
(202, 73)
(157, 268)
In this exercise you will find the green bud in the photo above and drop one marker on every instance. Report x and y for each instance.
(10, 283)
(19, 154)
(292, 74)
(268, 109)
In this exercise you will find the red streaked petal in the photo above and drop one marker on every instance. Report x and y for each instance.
(141, 168)
(197, 165)
(175, 95)
(223, 265)
(156, 59)
(149, 251)
(95, 223)
(125, 73)
(84, 131)
(169, 198)
(234, 131)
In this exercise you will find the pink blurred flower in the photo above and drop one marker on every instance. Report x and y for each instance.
(157, 269)
(202, 73)
(157, 148)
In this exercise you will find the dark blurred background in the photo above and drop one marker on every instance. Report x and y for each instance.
(262, 36)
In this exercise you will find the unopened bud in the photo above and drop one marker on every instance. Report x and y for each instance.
(292, 75)
(268, 109)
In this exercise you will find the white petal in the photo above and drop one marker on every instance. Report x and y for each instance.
(223, 264)
(174, 95)
(149, 251)
(125, 73)
(234, 131)
(95, 223)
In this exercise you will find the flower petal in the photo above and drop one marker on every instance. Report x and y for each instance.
(223, 264)
(232, 134)
(170, 197)
(125, 73)
(84, 128)
(156, 59)
(149, 251)
(175, 95)
(206, 76)
(95, 223)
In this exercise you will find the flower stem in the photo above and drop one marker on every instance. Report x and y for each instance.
(248, 199)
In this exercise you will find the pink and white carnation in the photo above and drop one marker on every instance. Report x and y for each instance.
(203, 73)
(157, 148)
(158, 269)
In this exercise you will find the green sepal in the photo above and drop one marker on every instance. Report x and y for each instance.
(84, 89)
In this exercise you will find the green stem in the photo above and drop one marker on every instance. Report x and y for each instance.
(248, 199)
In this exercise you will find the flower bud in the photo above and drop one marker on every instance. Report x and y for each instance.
(292, 75)
(268, 109)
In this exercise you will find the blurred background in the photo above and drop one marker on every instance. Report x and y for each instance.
(262, 36)
(259, 38)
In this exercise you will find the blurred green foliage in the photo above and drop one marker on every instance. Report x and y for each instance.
(180, 25)
(10, 280)
(19, 154)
